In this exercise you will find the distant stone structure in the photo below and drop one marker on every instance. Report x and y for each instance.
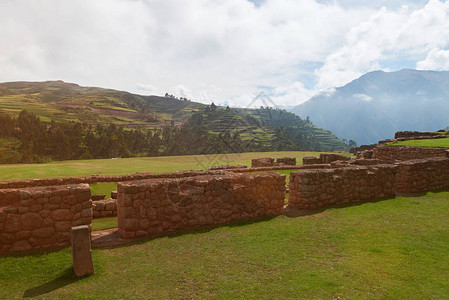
(269, 162)
(262, 162)
(227, 167)
(288, 161)
(416, 135)
(324, 158)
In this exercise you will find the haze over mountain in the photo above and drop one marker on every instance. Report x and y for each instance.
(376, 105)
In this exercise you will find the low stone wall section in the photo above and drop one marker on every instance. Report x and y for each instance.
(391, 154)
(158, 207)
(422, 175)
(288, 161)
(320, 188)
(227, 167)
(41, 218)
(104, 208)
(325, 158)
(100, 178)
(262, 162)
(409, 135)
(12, 184)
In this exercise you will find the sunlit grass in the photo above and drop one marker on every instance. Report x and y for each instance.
(104, 223)
(392, 249)
(443, 142)
(137, 164)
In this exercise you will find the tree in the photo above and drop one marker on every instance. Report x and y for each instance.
(352, 144)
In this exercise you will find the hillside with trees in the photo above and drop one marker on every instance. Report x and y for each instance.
(42, 122)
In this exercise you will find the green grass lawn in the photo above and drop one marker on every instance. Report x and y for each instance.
(104, 223)
(133, 165)
(423, 143)
(103, 188)
(392, 249)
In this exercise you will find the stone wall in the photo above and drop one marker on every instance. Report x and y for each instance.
(391, 154)
(99, 178)
(104, 208)
(227, 167)
(25, 183)
(290, 161)
(325, 158)
(262, 162)
(415, 135)
(158, 207)
(41, 217)
(319, 188)
(421, 175)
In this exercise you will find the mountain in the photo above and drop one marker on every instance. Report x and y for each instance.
(55, 120)
(376, 105)
(65, 102)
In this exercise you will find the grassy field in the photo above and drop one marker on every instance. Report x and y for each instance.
(103, 188)
(391, 249)
(423, 143)
(104, 223)
(133, 165)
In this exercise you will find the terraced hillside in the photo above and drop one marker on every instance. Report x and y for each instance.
(141, 125)
(65, 102)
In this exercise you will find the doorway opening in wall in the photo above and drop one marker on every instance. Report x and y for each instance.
(104, 203)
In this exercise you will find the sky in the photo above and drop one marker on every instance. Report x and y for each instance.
(222, 51)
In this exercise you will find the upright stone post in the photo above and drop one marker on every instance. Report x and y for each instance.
(81, 251)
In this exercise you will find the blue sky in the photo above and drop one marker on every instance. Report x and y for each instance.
(222, 51)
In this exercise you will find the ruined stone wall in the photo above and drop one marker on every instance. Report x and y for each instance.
(319, 188)
(391, 154)
(227, 167)
(262, 162)
(325, 158)
(99, 178)
(161, 206)
(41, 217)
(415, 135)
(290, 161)
(104, 208)
(24, 183)
(422, 175)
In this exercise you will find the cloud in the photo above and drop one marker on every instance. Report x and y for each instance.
(437, 59)
(387, 35)
(210, 50)
(363, 97)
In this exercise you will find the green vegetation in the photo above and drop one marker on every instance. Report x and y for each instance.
(444, 142)
(137, 164)
(392, 249)
(104, 223)
(103, 188)
(51, 120)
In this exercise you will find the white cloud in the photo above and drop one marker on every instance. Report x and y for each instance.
(437, 59)
(221, 51)
(386, 35)
(363, 97)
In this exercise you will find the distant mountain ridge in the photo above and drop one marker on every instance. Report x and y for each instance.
(376, 105)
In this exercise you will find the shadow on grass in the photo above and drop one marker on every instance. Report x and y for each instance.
(145, 239)
(66, 278)
(293, 212)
